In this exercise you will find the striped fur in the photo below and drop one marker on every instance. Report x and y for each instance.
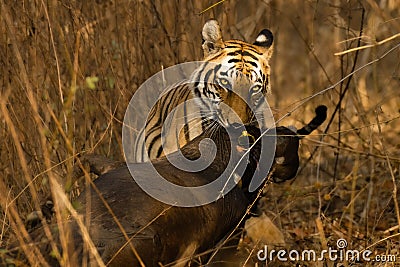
(232, 73)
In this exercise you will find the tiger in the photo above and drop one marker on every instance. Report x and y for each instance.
(232, 73)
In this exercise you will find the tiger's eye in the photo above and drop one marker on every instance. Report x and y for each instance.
(224, 81)
(255, 89)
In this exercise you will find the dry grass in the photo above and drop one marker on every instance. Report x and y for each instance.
(69, 69)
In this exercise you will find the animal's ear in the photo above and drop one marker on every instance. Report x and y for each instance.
(212, 38)
(264, 40)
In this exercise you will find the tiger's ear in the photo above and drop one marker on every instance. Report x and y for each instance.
(264, 40)
(212, 38)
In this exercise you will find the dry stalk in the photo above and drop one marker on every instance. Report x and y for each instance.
(389, 164)
(324, 242)
(353, 194)
(368, 46)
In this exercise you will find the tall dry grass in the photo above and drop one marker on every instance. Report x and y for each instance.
(69, 69)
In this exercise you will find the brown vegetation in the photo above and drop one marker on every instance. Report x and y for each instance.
(69, 69)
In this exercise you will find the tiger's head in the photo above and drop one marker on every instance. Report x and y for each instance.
(235, 75)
